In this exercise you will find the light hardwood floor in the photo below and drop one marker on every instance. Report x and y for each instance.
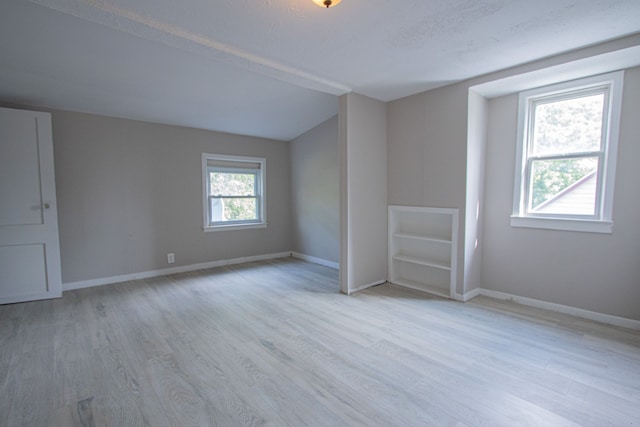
(274, 343)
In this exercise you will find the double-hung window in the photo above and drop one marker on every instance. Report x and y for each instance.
(234, 194)
(565, 165)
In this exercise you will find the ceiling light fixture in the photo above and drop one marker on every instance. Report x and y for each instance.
(326, 3)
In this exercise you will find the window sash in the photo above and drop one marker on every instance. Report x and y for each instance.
(254, 172)
(527, 177)
(528, 184)
(254, 166)
(535, 101)
(255, 220)
(602, 221)
(254, 195)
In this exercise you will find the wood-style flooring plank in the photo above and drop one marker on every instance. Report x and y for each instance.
(274, 343)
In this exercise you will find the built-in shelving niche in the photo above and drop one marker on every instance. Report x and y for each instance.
(423, 248)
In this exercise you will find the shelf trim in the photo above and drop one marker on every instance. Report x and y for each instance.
(422, 261)
(424, 209)
(429, 233)
(404, 235)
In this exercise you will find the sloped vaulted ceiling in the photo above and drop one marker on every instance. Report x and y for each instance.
(273, 68)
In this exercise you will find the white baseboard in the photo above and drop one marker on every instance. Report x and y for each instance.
(316, 260)
(365, 286)
(565, 309)
(467, 296)
(166, 271)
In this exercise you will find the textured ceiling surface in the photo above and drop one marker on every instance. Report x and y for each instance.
(273, 68)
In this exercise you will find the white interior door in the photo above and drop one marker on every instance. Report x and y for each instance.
(29, 247)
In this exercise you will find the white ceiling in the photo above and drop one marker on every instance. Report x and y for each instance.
(273, 68)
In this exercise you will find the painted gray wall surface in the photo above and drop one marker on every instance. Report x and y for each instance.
(406, 151)
(474, 217)
(427, 147)
(315, 185)
(363, 151)
(597, 272)
(130, 192)
(428, 141)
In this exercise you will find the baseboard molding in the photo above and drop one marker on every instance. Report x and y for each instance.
(565, 309)
(363, 287)
(467, 296)
(166, 271)
(316, 260)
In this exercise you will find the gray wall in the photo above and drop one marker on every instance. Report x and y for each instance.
(315, 185)
(426, 154)
(428, 158)
(129, 192)
(597, 272)
(363, 195)
(474, 216)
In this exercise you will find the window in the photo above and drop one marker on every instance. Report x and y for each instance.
(233, 192)
(565, 165)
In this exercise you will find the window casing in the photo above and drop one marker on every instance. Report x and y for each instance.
(233, 188)
(566, 155)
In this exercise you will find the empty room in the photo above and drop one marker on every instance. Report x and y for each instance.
(319, 213)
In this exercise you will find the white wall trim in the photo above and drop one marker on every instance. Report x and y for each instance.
(166, 271)
(565, 309)
(365, 286)
(467, 296)
(563, 224)
(316, 260)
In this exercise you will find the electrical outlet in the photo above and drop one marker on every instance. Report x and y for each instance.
(171, 258)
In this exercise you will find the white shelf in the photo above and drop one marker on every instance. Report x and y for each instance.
(423, 248)
(422, 261)
(421, 237)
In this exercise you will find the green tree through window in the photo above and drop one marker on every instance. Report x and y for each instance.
(568, 126)
(231, 187)
(566, 154)
(234, 194)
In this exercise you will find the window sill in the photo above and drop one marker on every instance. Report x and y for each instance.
(209, 228)
(582, 225)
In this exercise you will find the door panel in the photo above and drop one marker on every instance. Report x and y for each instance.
(19, 170)
(22, 270)
(29, 247)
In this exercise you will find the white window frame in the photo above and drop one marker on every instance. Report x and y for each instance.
(261, 174)
(602, 221)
